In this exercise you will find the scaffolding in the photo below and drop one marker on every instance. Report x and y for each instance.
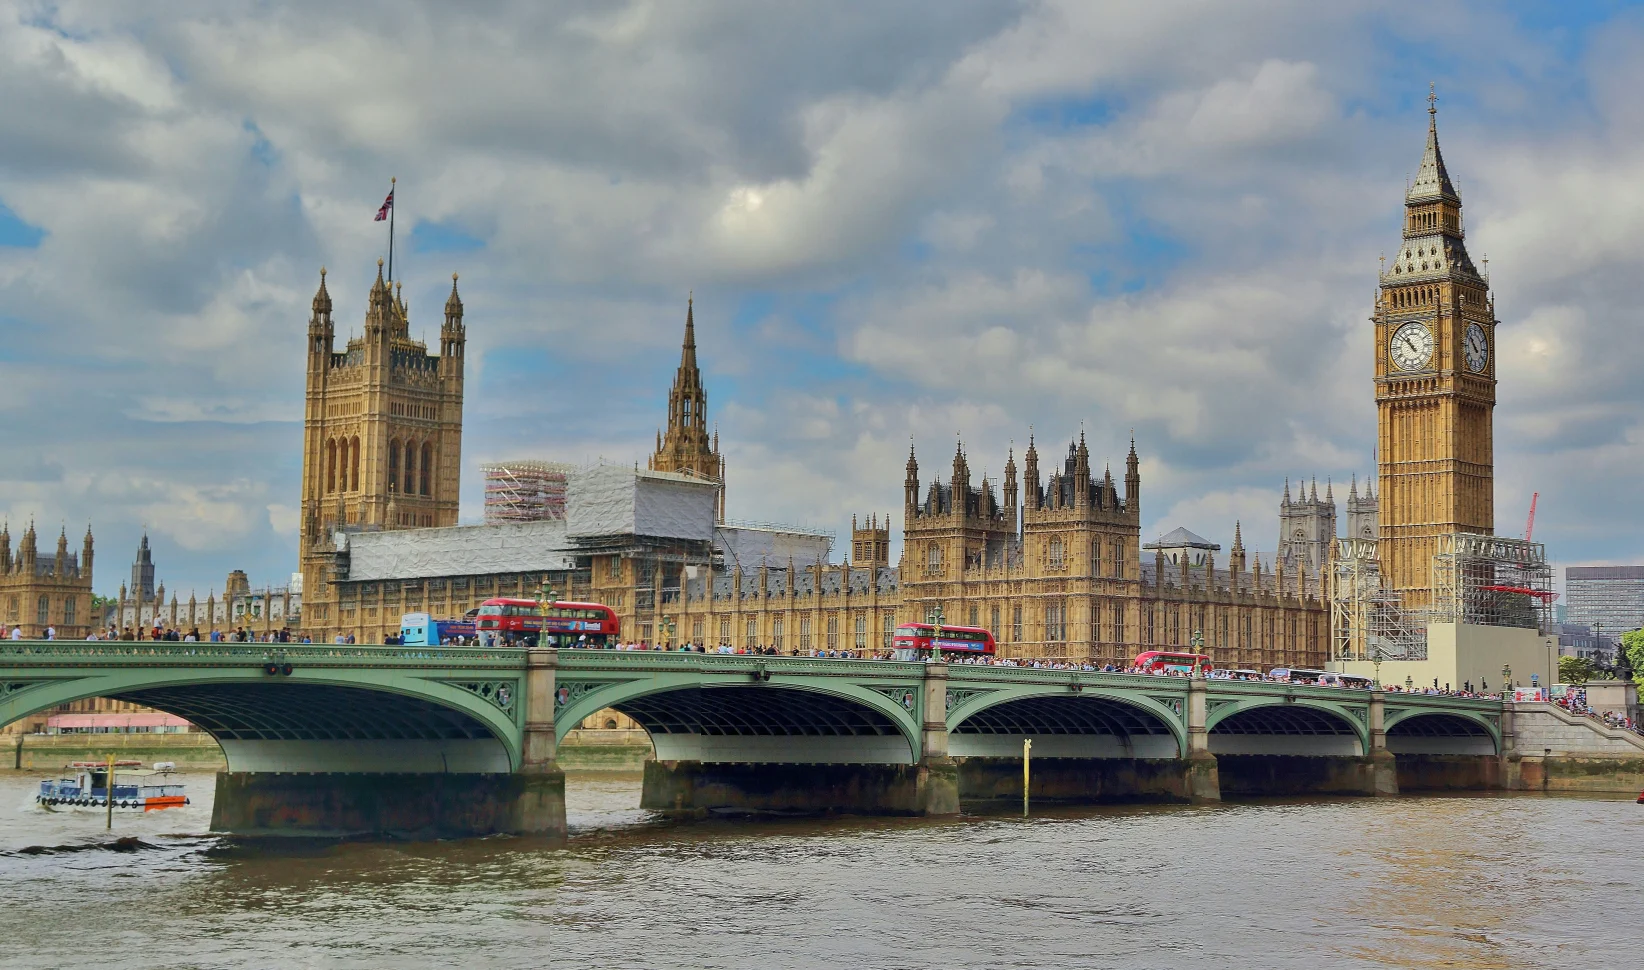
(525, 491)
(1369, 622)
(1490, 581)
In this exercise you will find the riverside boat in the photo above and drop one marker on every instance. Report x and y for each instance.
(86, 783)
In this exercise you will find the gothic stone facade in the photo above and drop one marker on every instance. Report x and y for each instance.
(1055, 571)
(38, 592)
(382, 435)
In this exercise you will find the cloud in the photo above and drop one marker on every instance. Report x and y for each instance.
(963, 218)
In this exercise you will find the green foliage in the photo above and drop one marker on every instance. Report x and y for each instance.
(1633, 643)
(100, 603)
(1574, 670)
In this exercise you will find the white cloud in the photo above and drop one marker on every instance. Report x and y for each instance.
(965, 218)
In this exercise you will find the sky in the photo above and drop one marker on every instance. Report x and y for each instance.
(940, 220)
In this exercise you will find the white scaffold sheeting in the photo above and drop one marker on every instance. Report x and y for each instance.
(611, 500)
(748, 547)
(459, 551)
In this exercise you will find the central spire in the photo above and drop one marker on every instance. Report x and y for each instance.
(1432, 179)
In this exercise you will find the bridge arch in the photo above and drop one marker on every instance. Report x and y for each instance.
(317, 719)
(730, 718)
(1088, 723)
(1441, 732)
(1289, 727)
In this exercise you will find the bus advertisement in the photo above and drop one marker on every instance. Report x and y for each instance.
(913, 641)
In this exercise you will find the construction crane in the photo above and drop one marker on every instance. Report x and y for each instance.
(1530, 523)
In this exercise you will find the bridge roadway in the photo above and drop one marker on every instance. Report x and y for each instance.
(333, 739)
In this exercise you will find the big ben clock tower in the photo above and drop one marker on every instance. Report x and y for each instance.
(1435, 384)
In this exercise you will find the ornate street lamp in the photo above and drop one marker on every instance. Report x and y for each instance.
(1506, 678)
(546, 596)
(1197, 642)
(667, 628)
(1376, 657)
(935, 618)
(1409, 682)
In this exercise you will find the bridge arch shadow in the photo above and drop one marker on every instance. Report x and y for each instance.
(1064, 725)
(1440, 733)
(1287, 729)
(316, 723)
(773, 723)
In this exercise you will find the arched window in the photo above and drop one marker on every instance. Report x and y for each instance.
(354, 465)
(426, 467)
(42, 611)
(933, 557)
(410, 468)
(1056, 553)
(394, 465)
(331, 465)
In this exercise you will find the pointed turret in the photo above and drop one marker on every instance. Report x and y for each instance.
(60, 567)
(1010, 486)
(27, 551)
(1030, 473)
(1284, 503)
(1432, 180)
(910, 488)
(453, 335)
(685, 448)
(1133, 481)
(5, 548)
(85, 554)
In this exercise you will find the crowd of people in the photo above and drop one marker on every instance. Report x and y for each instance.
(1575, 701)
(193, 635)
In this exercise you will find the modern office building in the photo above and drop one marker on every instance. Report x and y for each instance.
(1609, 599)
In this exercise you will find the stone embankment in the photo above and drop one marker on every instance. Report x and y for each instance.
(1560, 751)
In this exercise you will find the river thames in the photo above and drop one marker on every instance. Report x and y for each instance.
(1487, 881)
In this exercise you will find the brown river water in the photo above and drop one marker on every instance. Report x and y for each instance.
(1487, 881)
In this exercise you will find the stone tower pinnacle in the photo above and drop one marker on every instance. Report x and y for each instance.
(685, 448)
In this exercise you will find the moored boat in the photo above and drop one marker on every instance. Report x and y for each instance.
(86, 783)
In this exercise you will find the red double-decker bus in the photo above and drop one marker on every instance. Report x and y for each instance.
(913, 641)
(522, 622)
(1172, 661)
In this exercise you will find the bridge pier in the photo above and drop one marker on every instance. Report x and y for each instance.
(1384, 775)
(1204, 779)
(928, 786)
(538, 803)
(420, 803)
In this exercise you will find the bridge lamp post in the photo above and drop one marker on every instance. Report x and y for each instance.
(1409, 682)
(545, 601)
(1506, 677)
(935, 618)
(667, 627)
(1197, 643)
(1377, 655)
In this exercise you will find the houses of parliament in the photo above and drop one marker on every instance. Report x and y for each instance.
(1050, 560)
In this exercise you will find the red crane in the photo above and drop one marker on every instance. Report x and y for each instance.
(1530, 523)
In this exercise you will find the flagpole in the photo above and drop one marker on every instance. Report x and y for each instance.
(392, 186)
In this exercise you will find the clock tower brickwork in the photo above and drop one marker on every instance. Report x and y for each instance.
(1435, 381)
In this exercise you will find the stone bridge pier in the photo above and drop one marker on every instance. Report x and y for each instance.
(767, 748)
(444, 776)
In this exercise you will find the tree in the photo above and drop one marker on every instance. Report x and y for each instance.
(1574, 670)
(1632, 643)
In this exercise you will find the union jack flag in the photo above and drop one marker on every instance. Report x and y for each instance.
(387, 204)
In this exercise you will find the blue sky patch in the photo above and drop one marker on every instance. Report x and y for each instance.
(16, 232)
(440, 237)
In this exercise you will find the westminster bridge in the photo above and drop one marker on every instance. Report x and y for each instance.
(345, 739)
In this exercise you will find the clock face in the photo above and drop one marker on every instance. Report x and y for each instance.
(1476, 348)
(1412, 346)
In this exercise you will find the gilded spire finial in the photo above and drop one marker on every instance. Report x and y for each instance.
(1432, 102)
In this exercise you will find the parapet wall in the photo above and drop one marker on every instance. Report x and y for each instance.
(1547, 729)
